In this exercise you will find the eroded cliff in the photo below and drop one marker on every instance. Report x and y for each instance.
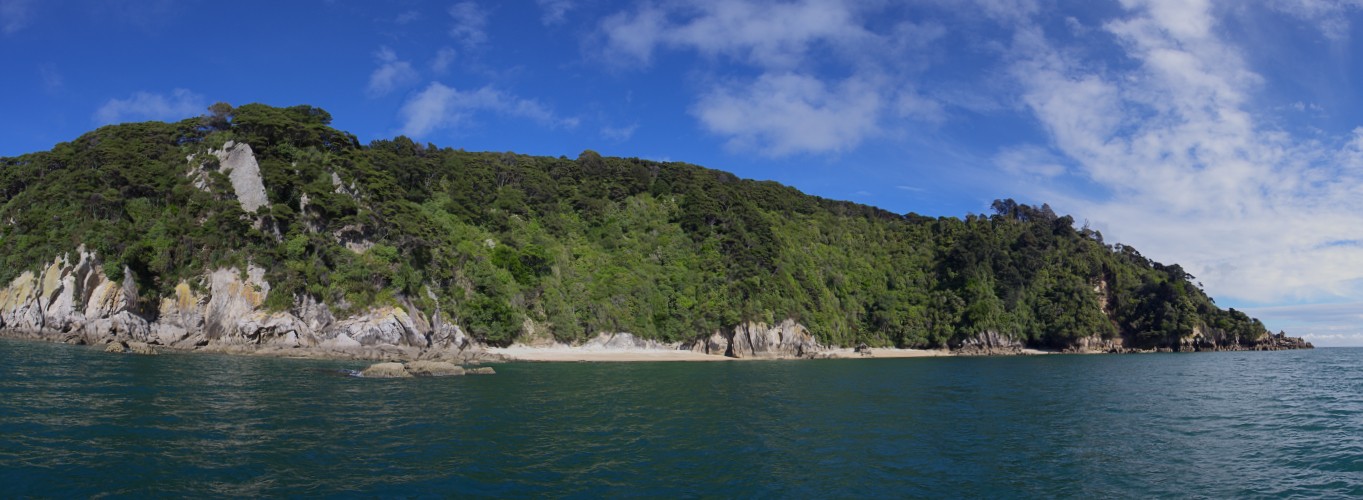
(73, 301)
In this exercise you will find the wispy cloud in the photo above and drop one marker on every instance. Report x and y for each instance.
(15, 15)
(619, 133)
(441, 107)
(392, 74)
(51, 78)
(407, 17)
(469, 24)
(143, 106)
(554, 12)
(1194, 177)
(1030, 161)
(443, 59)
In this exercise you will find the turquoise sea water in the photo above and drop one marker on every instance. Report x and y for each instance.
(75, 421)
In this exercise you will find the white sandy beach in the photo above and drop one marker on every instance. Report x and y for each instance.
(567, 353)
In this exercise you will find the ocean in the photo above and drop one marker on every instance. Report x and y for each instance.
(77, 422)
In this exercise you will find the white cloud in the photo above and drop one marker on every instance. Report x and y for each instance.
(793, 104)
(554, 11)
(1194, 177)
(441, 107)
(15, 15)
(763, 33)
(470, 24)
(443, 59)
(392, 74)
(143, 106)
(783, 114)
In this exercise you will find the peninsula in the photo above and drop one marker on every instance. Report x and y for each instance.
(258, 229)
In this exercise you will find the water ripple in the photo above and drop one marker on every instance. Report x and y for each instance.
(78, 422)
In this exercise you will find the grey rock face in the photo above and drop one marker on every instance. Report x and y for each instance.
(989, 342)
(623, 341)
(72, 301)
(759, 340)
(239, 161)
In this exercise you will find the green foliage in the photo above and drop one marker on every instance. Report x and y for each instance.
(663, 250)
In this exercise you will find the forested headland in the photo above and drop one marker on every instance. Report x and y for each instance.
(510, 246)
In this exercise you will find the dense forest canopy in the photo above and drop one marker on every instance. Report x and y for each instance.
(514, 245)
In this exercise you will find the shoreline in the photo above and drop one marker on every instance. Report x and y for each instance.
(559, 353)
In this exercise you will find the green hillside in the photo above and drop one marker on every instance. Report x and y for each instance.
(573, 247)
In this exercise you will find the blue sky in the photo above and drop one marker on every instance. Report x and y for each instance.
(1224, 136)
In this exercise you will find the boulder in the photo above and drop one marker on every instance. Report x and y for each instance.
(116, 347)
(385, 370)
(482, 370)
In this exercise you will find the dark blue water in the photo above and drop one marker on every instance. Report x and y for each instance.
(75, 421)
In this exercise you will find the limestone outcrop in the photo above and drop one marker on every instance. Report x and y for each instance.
(787, 339)
(72, 300)
(622, 341)
(988, 343)
(238, 161)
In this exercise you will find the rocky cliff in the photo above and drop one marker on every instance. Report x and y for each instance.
(759, 340)
(73, 301)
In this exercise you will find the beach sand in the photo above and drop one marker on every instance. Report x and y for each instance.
(566, 353)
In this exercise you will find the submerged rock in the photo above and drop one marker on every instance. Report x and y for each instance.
(131, 347)
(385, 370)
(434, 369)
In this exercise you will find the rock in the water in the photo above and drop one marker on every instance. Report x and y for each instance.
(142, 348)
(434, 369)
(385, 370)
(482, 370)
(132, 347)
